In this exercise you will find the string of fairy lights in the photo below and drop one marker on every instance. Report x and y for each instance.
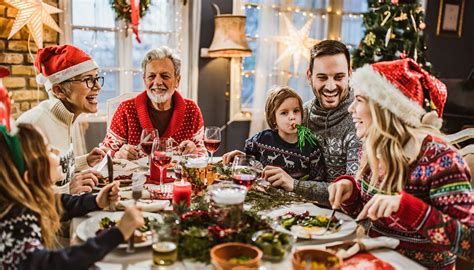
(318, 13)
(97, 30)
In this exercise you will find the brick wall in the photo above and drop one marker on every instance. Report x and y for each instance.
(14, 55)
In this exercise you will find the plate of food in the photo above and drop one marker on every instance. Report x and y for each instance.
(97, 224)
(308, 221)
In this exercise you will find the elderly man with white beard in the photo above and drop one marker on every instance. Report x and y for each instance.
(160, 106)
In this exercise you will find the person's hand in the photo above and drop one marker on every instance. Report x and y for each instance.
(278, 177)
(127, 151)
(380, 206)
(108, 194)
(131, 220)
(84, 181)
(340, 192)
(96, 155)
(228, 157)
(187, 147)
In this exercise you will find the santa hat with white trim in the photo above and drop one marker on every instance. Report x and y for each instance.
(403, 88)
(59, 63)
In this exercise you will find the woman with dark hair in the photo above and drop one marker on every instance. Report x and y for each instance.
(30, 211)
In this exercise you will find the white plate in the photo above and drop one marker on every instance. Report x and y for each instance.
(145, 204)
(88, 227)
(348, 227)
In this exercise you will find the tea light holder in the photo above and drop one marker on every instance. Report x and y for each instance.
(227, 204)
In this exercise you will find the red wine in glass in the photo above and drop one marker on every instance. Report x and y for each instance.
(161, 160)
(146, 146)
(246, 180)
(212, 145)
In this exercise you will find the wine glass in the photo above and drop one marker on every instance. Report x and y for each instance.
(146, 139)
(212, 139)
(243, 172)
(161, 155)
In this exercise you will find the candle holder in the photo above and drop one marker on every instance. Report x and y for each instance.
(227, 204)
(194, 171)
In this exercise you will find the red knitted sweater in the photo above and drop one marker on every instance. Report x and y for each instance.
(132, 116)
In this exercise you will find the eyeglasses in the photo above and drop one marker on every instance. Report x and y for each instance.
(90, 81)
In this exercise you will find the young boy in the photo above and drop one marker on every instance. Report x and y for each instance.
(278, 151)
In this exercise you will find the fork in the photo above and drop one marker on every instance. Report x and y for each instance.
(333, 213)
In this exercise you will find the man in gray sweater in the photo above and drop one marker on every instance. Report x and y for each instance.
(327, 116)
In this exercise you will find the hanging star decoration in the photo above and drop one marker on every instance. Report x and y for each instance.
(297, 42)
(33, 14)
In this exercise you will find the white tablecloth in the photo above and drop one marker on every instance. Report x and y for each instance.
(142, 258)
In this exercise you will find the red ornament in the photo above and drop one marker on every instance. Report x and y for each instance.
(395, 2)
(4, 100)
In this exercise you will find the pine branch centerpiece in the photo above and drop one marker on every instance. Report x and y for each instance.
(200, 232)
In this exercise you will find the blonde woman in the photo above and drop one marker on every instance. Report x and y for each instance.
(411, 184)
(30, 212)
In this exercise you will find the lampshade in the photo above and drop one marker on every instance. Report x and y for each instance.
(229, 37)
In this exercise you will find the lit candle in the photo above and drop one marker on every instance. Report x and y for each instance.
(182, 192)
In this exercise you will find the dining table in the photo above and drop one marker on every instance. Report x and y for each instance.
(119, 259)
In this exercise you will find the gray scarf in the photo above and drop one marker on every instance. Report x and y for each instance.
(324, 119)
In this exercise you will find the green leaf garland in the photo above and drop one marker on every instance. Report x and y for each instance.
(123, 9)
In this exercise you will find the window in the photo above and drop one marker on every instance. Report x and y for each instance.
(266, 16)
(114, 47)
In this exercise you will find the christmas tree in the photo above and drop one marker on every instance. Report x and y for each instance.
(393, 30)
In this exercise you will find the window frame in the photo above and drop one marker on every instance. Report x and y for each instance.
(124, 43)
(334, 20)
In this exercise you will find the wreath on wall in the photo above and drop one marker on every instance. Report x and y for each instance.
(130, 13)
(123, 9)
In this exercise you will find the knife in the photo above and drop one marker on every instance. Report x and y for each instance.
(139, 146)
(110, 169)
(103, 162)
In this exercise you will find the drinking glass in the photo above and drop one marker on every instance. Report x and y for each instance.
(146, 139)
(212, 139)
(161, 155)
(243, 171)
(165, 240)
(194, 171)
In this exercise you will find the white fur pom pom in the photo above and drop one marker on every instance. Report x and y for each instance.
(40, 79)
(432, 119)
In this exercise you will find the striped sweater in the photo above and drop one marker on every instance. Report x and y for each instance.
(436, 216)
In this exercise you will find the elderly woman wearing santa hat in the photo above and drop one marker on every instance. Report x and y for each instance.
(71, 78)
(411, 184)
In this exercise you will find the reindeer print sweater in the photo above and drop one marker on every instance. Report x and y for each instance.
(270, 149)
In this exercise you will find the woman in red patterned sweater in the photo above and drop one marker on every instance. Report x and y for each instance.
(160, 106)
(411, 184)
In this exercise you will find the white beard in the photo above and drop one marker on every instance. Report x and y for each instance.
(157, 98)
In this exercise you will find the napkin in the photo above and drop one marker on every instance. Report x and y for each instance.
(347, 249)
(146, 205)
(366, 244)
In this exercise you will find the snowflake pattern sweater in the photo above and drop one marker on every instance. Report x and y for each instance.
(436, 216)
(336, 133)
(132, 116)
(268, 148)
(21, 244)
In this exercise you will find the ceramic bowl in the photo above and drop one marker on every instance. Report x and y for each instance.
(235, 255)
(317, 258)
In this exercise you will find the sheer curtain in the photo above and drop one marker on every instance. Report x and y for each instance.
(269, 72)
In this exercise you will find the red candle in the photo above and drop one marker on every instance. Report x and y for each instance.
(182, 192)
